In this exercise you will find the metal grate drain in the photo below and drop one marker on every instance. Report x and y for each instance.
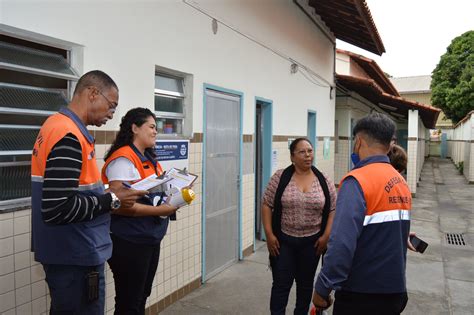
(455, 239)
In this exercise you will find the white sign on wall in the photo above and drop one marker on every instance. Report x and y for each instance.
(274, 161)
(327, 148)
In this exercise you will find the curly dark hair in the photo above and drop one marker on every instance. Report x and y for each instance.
(137, 116)
(398, 158)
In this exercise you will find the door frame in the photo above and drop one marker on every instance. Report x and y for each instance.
(314, 139)
(267, 147)
(207, 86)
(351, 123)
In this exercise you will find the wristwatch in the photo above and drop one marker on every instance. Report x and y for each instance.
(115, 204)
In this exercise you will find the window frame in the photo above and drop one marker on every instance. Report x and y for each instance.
(15, 204)
(39, 71)
(185, 80)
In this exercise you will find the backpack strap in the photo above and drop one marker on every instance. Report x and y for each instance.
(276, 214)
(327, 197)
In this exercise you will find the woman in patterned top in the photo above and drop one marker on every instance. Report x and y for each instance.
(295, 253)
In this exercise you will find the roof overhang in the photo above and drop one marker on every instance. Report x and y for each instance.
(373, 70)
(350, 21)
(396, 106)
(416, 92)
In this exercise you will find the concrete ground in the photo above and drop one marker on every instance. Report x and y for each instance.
(440, 281)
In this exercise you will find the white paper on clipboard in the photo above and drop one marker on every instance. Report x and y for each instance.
(151, 183)
(180, 179)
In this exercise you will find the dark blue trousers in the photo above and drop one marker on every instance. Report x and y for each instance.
(297, 262)
(353, 303)
(67, 287)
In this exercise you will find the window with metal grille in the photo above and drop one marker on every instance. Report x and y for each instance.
(34, 83)
(170, 104)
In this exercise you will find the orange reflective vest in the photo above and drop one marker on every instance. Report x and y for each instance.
(141, 230)
(386, 193)
(145, 166)
(84, 243)
(379, 257)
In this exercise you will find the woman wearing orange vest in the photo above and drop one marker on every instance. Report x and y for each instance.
(136, 232)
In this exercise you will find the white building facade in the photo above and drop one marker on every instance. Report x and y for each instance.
(237, 79)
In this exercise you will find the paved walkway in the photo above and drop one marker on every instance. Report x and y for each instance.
(440, 281)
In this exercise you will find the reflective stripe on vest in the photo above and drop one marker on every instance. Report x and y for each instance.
(387, 216)
(386, 193)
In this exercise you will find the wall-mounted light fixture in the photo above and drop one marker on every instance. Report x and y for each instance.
(214, 26)
(293, 68)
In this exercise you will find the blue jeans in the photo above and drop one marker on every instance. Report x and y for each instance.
(297, 261)
(68, 290)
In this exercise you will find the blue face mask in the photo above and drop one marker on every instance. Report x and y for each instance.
(355, 158)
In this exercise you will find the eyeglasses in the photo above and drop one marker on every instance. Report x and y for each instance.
(304, 152)
(112, 105)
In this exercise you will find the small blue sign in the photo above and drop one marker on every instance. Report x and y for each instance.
(171, 150)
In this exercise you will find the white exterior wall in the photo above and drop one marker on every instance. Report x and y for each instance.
(343, 114)
(456, 144)
(343, 64)
(427, 142)
(471, 154)
(127, 40)
(177, 36)
(292, 95)
(468, 158)
(421, 148)
(325, 165)
(461, 147)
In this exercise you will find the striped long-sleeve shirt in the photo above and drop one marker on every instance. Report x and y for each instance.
(62, 202)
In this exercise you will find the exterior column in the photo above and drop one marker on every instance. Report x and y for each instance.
(412, 150)
(342, 164)
(470, 175)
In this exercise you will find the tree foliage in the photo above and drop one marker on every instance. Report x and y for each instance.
(452, 84)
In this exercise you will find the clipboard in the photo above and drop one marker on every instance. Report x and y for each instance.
(180, 178)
